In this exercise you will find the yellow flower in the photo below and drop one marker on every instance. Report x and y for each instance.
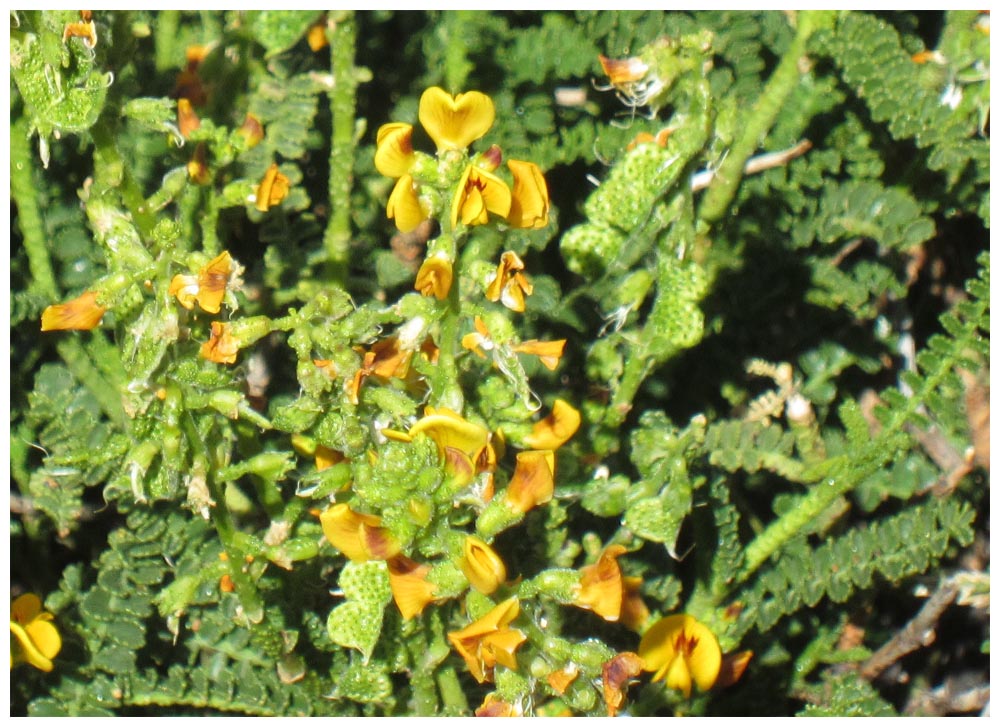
(326, 457)
(222, 347)
(533, 481)
(404, 206)
(490, 641)
(464, 447)
(548, 352)
(273, 188)
(197, 168)
(681, 651)
(187, 119)
(529, 206)
(357, 536)
(509, 284)
(478, 194)
(435, 276)
(635, 613)
(410, 588)
(455, 122)
(316, 35)
(83, 313)
(615, 676)
(554, 430)
(482, 566)
(208, 287)
(600, 588)
(84, 29)
(37, 637)
(251, 130)
(394, 149)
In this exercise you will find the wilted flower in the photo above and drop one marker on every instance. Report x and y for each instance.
(533, 482)
(615, 676)
(222, 347)
(208, 287)
(490, 641)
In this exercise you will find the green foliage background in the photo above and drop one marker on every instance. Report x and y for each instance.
(854, 278)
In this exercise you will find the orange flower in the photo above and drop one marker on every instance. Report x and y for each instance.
(681, 651)
(634, 610)
(326, 457)
(187, 119)
(533, 481)
(548, 352)
(600, 588)
(80, 314)
(208, 287)
(454, 122)
(494, 706)
(508, 283)
(615, 676)
(385, 359)
(623, 71)
(273, 188)
(478, 194)
(482, 566)
(197, 168)
(316, 35)
(490, 641)
(529, 206)
(251, 130)
(554, 430)
(435, 276)
(646, 138)
(410, 588)
(84, 29)
(357, 536)
(560, 679)
(222, 347)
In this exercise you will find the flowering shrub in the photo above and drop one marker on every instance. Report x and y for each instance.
(454, 363)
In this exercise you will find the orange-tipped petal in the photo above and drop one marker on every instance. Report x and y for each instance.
(455, 122)
(554, 430)
(251, 130)
(212, 281)
(529, 206)
(83, 313)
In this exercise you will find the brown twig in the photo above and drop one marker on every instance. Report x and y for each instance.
(954, 696)
(917, 633)
(755, 164)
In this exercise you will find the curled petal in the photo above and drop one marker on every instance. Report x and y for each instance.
(529, 207)
(83, 313)
(560, 679)
(84, 29)
(36, 635)
(394, 149)
(489, 641)
(356, 535)
(600, 588)
(449, 430)
(404, 205)
(185, 287)
(222, 347)
(479, 193)
(212, 281)
(455, 122)
(533, 482)
(273, 188)
(434, 277)
(615, 676)
(554, 430)
(482, 566)
(548, 352)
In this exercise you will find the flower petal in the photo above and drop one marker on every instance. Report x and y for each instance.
(529, 207)
(80, 314)
(533, 482)
(410, 588)
(455, 122)
(404, 205)
(477, 194)
(554, 430)
(434, 277)
(601, 588)
(273, 188)
(394, 149)
(482, 566)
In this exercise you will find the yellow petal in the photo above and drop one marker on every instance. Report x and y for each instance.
(356, 535)
(529, 207)
(394, 149)
(273, 188)
(212, 281)
(680, 650)
(80, 314)
(404, 205)
(44, 636)
(455, 122)
(548, 352)
(600, 587)
(448, 429)
(482, 566)
(434, 277)
(25, 608)
(222, 347)
(678, 676)
(410, 588)
(554, 430)
(185, 287)
(478, 193)
(533, 482)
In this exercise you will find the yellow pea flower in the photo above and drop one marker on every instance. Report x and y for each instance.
(454, 122)
(490, 641)
(533, 481)
(360, 537)
(37, 638)
(273, 188)
(600, 588)
(554, 430)
(482, 566)
(509, 285)
(478, 194)
(529, 206)
(208, 287)
(83, 313)
(681, 651)
(435, 276)
(410, 588)
(394, 149)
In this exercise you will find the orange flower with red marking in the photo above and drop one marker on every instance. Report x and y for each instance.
(207, 288)
(681, 652)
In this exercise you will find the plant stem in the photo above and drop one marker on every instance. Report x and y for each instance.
(25, 195)
(456, 62)
(111, 170)
(452, 694)
(74, 355)
(759, 120)
(337, 238)
(164, 38)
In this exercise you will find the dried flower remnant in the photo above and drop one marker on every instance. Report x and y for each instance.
(490, 641)
(222, 346)
(251, 130)
(495, 706)
(273, 188)
(187, 119)
(197, 168)
(36, 639)
(615, 676)
(83, 313)
(681, 652)
(560, 679)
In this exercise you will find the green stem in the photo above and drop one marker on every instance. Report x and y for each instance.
(164, 39)
(456, 62)
(452, 694)
(29, 218)
(444, 387)
(760, 119)
(111, 170)
(337, 238)
(74, 355)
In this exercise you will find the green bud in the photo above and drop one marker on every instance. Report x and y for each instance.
(153, 114)
(588, 248)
